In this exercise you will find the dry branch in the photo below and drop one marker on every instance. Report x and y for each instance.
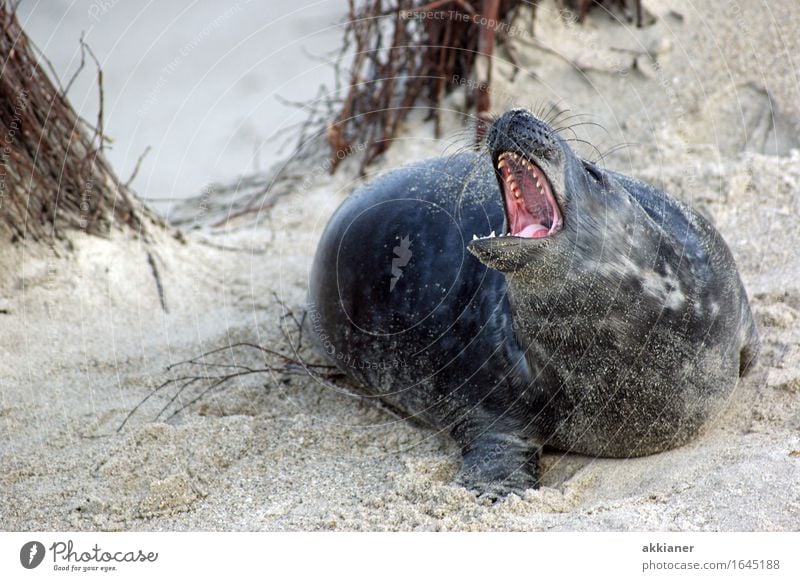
(199, 377)
(406, 53)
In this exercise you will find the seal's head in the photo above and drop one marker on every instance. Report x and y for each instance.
(542, 182)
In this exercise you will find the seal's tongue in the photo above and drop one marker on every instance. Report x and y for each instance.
(530, 207)
(532, 231)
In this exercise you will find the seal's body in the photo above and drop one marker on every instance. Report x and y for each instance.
(605, 318)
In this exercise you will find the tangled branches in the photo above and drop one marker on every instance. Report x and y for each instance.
(197, 378)
(53, 175)
(406, 52)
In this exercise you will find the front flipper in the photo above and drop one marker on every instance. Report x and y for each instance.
(495, 464)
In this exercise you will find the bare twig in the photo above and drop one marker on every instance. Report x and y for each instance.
(100, 95)
(159, 286)
(483, 68)
(135, 171)
(76, 74)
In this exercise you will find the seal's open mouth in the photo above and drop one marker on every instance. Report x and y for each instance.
(531, 209)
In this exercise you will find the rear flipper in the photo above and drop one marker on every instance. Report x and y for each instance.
(751, 345)
(496, 464)
(747, 358)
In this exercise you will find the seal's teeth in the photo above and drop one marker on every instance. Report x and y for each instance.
(502, 163)
(492, 235)
(474, 236)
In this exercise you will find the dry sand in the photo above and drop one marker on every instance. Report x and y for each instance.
(711, 109)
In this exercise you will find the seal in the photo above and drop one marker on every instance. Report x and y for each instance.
(606, 318)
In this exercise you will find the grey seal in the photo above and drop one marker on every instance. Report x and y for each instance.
(598, 316)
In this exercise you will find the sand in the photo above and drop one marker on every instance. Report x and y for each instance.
(710, 110)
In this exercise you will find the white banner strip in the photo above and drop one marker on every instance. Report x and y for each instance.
(403, 556)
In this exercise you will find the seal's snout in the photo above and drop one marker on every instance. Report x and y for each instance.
(518, 130)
